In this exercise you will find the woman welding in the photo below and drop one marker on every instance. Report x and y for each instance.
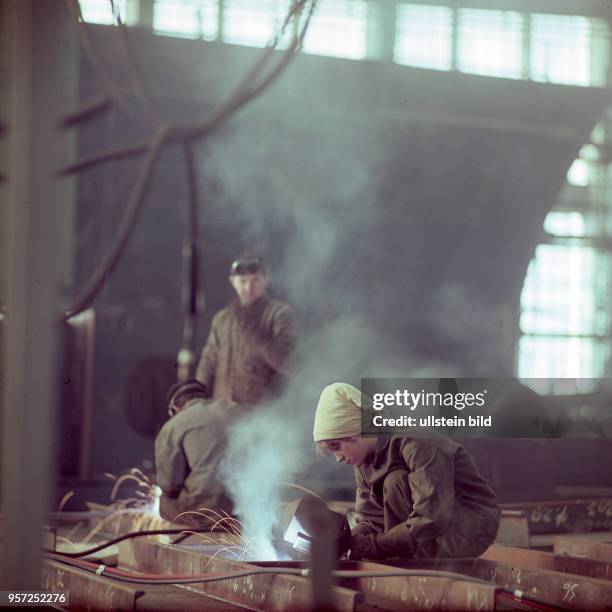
(417, 497)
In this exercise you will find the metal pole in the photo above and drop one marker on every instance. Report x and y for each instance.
(37, 46)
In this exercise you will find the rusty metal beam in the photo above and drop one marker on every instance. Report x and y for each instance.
(578, 547)
(260, 592)
(558, 589)
(548, 561)
(421, 593)
(90, 592)
(567, 516)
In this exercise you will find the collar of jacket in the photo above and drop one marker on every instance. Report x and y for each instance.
(252, 310)
(382, 444)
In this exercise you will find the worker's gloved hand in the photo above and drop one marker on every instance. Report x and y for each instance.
(365, 547)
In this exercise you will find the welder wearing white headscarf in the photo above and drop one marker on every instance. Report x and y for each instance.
(338, 412)
(416, 497)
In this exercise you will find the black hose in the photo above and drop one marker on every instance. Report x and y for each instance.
(127, 536)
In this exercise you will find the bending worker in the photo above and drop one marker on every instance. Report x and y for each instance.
(250, 341)
(188, 450)
(416, 497)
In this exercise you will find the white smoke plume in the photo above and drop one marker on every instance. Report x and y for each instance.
(275, 185)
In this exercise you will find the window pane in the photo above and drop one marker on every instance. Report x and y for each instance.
(564, 224)
(578, 174)
(546, 358)
(253, 23)
(186, 18)
(338, 28)
(490, 42)
(423, 36)
(560, 49)
(100, 11)
(558, 295)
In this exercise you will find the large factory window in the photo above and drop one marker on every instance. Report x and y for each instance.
(423, 36)
(565, 309)
(490, 43)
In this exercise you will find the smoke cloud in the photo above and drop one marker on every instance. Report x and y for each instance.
(320, 198)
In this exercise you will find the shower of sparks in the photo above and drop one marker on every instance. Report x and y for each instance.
(64, 500)
(138, 513)
(141, 512)
(239, 542)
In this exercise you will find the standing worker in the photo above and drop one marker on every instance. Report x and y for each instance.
(417, 497)
(250, 341)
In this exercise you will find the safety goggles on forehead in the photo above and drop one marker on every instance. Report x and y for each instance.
(246, 266)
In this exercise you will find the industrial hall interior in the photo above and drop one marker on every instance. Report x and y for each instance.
(306, 305)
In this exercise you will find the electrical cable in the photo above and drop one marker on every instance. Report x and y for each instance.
(123, 576)
(127, 536)
(194, 578)
(127, 223)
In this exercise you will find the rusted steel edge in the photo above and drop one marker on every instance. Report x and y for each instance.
(88, 591)
(549, 561)
(562, 590)
(591, 549)
(260, 592)
(566, 516)
(418, 592)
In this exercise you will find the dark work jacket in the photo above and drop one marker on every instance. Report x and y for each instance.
(454, 511)
(247, 350)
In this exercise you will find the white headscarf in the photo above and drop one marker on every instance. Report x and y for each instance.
(338, 412)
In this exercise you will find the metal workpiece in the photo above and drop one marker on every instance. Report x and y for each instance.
(578, 545)
(556, 589)
(561, 581)
(566, 516)
(90, 592)
(259, 592)
(421, 592)
(549, 561)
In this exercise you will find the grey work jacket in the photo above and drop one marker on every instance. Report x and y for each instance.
(188, 450)
(247, 350)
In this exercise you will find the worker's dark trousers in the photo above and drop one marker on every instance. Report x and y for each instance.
(469, 534)
(397, 498)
